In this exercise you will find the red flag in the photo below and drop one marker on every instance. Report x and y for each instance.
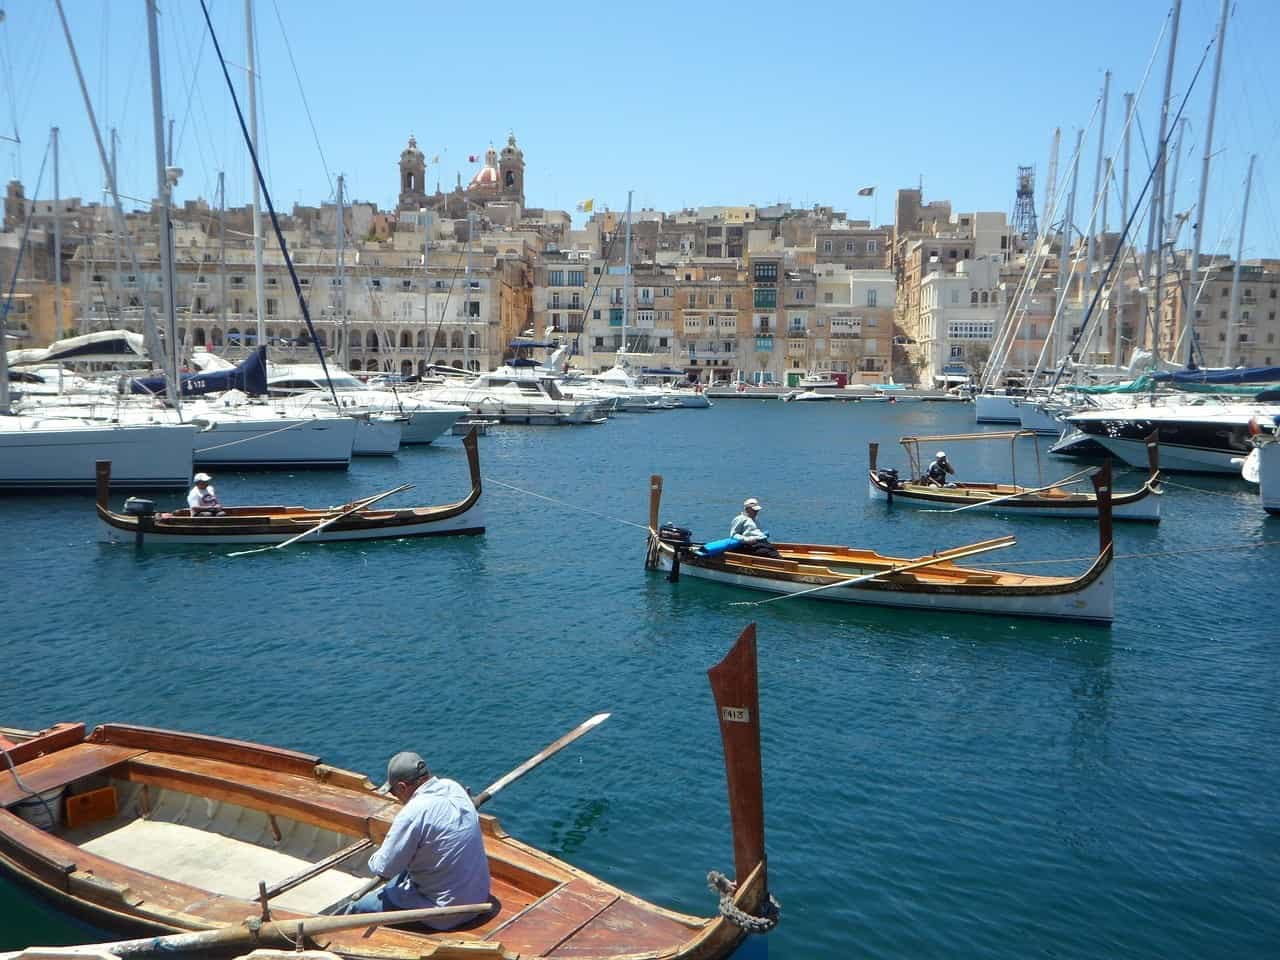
(473, 159)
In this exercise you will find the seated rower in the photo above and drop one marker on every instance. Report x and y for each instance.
(203, 499)
(939, 470)
(433, 855)
(744, 528)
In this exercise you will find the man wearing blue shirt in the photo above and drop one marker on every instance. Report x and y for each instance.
(433, 855)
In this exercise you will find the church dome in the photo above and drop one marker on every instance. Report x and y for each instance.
(488, 174)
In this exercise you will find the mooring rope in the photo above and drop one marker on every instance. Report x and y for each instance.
(256, 436)
(1213, 493)
(725, 887)
(565, 503)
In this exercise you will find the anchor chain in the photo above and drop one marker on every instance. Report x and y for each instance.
(725, 887)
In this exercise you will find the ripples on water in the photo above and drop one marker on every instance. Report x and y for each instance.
(935, 784)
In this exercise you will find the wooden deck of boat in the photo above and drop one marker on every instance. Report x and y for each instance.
(819, 563)
(177, 877)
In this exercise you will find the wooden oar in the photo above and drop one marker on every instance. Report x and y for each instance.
(484, 795)
(953, 554)
(369, 501)
(317, 868)
(254, 931)
(1069, 479)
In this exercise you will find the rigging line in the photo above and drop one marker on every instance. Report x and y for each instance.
(7, 65)
(195, 76)
(565, 503)
(1084, 323)
(1217, 548)
(17, 266)
(266, 194)
(303, 93)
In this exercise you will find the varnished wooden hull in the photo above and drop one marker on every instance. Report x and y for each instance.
(1141, 505)
(276, 524)
(1088, 598)
(210, 795)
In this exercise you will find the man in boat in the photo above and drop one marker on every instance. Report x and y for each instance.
(433, 855)
(744, 528)
(939, 470)
(203, 499)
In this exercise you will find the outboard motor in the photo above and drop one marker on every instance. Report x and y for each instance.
(137, 507)
(888, 476)
(676, 536)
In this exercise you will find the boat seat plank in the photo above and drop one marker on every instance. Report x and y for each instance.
(61, 767)
(554, 918)
(624, 927)
(57, 737)
(308, 800)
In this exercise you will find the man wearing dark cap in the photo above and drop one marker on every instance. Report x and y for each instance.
(433, 855)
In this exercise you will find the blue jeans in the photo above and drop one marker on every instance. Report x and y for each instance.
(375, 901)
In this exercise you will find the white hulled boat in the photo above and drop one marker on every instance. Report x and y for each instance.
(44, 452)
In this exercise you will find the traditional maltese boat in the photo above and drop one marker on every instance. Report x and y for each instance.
(932, 582)
(1054, 499)
(138, 829)
(140, 524)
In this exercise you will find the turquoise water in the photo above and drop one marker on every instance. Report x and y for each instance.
(935, 784)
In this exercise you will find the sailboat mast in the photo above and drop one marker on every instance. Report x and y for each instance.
(1233, 313)
(163, 185)
(259, 287)
(1197, 228)
(426, 285)
(466, 336)
(222, 248)
(1064, 259)
(1155, 227)
(1099, 187)
(341, 229)
(626, 276)
(1117, 353)
(116, 228)
(154, 346)
(57, 248)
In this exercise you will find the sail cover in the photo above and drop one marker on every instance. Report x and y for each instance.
(250, 376)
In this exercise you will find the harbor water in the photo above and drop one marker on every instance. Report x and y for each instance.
(936, 785)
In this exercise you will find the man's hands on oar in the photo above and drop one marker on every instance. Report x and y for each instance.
(486, 794)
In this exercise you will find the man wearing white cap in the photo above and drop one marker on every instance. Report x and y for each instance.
(939, 470)
(433, 855)
(745, 529)
(203, 499)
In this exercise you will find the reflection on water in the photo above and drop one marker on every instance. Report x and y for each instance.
(568, 836)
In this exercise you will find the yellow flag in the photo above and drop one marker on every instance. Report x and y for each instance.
(586, 205)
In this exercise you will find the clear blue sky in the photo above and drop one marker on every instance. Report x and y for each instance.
(688, 104)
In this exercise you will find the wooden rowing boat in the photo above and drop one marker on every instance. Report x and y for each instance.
(1014, 500)
(166, 832)
(852, 575)
(139, 524)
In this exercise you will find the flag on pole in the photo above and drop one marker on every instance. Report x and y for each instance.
(473, 158)
(867, 191)
(586, 205)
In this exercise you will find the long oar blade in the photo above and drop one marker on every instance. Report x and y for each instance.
(361, 505)
(547, 752)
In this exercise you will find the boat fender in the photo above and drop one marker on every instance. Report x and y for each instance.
(716, 547)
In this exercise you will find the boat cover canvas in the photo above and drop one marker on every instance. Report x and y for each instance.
(1221, 375)
(716, 547)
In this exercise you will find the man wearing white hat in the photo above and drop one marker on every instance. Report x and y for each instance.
(940, 469)
(745, 529)
(203, 499)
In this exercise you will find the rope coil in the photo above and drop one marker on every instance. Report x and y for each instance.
(722, 885)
